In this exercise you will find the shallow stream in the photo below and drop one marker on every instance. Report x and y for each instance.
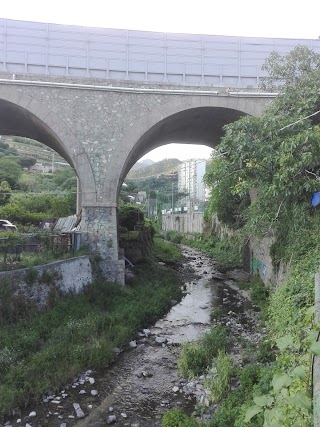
(143, 382)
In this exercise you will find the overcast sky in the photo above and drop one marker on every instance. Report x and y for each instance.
(252, 18)
(271, 18)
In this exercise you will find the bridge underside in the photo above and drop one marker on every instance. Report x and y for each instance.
(18, 121)
(197, 126)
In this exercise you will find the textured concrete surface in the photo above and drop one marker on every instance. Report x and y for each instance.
(70, 275)
(102, 131)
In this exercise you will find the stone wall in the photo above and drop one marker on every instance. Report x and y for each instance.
(183, 223)
(37, 284)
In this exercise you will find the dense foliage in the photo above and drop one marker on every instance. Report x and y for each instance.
(270, 157)
(263, 175)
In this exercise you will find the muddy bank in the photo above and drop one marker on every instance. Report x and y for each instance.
(143, 382)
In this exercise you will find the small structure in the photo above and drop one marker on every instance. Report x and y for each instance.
(68, 232)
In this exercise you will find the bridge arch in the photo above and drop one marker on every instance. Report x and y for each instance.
(25, 116)
(193, 120)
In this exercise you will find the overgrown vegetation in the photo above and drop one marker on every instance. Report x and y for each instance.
(166, 252)
(77, 333)
(19, 250)
(225, 252)
(196, 357)
(275, 159)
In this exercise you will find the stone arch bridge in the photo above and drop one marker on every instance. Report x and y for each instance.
(103, 129)
(102, 98)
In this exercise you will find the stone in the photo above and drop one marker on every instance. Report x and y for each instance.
(91, 380)
(147, 332)
(94, 393)
(19, 420)
(63, 425)
(133, 344)
(116, 350)
(175, 389)
(218, 276)
(160, 340)
(203, 307)
(82, 392)
(124, 415)
(79, 411)
(111, 419)
(32, 414)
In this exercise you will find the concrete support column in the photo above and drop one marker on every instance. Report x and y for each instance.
(99, 229)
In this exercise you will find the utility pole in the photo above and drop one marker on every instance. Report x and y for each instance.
(172, 206)
(172, 198)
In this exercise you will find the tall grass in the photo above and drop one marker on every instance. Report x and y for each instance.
(41, 352)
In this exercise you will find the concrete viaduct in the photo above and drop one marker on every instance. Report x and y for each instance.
(102, 127)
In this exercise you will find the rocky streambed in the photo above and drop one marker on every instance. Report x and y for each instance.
(143, 382)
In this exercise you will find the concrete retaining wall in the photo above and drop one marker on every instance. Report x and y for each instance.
(261, 262)
(183, 223)
(36, 284)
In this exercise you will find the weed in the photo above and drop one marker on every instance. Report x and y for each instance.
(177, 418)
(196, 357)
(216, 314)
(222, 370)
(31, 276)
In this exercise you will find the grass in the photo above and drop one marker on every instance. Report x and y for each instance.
(196, 357)
(167, 252)
(41, 352)
(31, 259)
(223, 369)
(259, 294)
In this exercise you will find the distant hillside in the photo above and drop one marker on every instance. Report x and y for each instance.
(142, 164)
(164, 167)
(31, 148)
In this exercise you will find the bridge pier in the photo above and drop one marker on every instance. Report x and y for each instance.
(99, 231)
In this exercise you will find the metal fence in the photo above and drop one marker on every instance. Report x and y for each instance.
(13, 248)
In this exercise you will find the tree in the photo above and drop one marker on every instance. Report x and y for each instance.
(62, 175)
(10, 171)
(26, 161)
(5, 193)
(276, 155)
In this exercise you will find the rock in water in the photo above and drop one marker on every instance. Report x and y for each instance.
(111, 419)
(79, 411)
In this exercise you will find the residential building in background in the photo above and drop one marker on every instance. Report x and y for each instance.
(190, 180)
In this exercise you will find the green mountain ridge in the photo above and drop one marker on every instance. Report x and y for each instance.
(163, 167)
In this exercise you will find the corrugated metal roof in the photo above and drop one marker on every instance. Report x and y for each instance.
(66, 225)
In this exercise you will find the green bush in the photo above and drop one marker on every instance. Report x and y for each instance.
(177, 418)
(129, 216)
(174, 236)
